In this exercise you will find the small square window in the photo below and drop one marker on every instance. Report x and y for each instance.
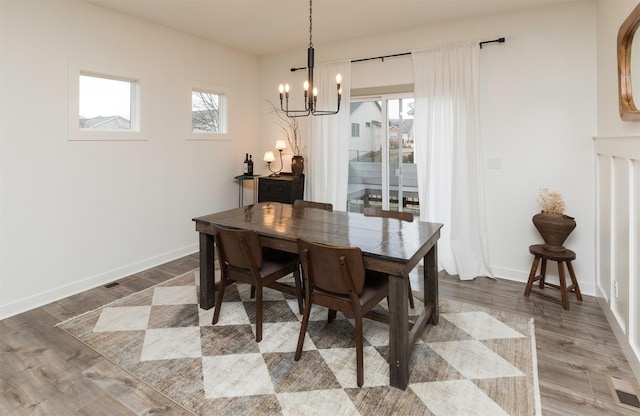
(207, 111)
(106, 103)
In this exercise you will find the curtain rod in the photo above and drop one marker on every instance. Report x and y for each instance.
(499, 40)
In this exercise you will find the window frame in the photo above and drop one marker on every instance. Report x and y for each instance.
(355, 126)
(137, 103)
(220, 90)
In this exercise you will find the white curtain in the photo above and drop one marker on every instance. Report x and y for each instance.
(327, 163)
(449, 155)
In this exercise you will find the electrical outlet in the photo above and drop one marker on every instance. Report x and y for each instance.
(495, 164)
(615, 288)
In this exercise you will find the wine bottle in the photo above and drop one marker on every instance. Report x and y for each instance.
(246, 164)
(250, 166)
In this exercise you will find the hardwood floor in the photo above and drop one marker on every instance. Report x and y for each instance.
(44, 371)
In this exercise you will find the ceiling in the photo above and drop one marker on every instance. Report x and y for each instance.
(262, 27)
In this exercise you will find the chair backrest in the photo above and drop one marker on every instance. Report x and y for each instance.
(299, 203)
(377, 212)
(238, 248)
(333, 269)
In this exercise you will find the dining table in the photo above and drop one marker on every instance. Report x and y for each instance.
(388, 245)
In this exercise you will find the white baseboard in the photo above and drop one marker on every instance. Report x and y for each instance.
(90, 282)
(632, 358)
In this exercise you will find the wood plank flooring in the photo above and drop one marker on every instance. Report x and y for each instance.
(44, 371)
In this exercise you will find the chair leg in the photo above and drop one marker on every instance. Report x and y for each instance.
(253, 291)
(543, 272)
(296, 277)
(218, 305)
(303, 329)
(532, 276)
(331, 315)
(359, 351)
(259, 314)
(574, 281)
(563, 286)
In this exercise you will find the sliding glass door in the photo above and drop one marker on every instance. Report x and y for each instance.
(382, 172)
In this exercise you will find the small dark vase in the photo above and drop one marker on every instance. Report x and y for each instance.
(297, 165)
(554, 230)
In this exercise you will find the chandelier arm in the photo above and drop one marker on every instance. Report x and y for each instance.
(297, 113)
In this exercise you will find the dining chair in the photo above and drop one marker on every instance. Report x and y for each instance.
(335, 278)
(403, 216)
(299, 203)
(243, 259)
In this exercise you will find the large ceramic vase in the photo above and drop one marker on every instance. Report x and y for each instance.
(297, 165)
(554, 230)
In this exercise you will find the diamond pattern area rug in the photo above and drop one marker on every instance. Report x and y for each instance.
(476, 361)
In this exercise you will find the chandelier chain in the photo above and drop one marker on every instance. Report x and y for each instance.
(310, 24)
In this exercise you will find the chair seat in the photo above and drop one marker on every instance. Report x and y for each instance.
(271, 264)
(373, 290)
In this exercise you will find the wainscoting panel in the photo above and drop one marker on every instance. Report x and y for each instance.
(617, 162)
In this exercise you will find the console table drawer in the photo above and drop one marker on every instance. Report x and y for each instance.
(284, 188)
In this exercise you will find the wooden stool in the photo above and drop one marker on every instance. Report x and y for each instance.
(567, 256)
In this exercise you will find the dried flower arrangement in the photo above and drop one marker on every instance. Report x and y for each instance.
(551, 202)
(290, 128)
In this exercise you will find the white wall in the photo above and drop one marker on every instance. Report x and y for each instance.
(78, 214)
(538, 97)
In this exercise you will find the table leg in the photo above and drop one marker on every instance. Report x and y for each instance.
(430, 277)
(398, 332)
(255, 190)
(207, 271)
(240, 194)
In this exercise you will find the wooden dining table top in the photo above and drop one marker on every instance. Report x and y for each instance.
(280, 224)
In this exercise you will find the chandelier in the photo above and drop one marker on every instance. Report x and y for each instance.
(310, 91)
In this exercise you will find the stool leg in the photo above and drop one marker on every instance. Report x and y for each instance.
(572, 274)
(532, 276)
(563, 286)
(543, 272)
